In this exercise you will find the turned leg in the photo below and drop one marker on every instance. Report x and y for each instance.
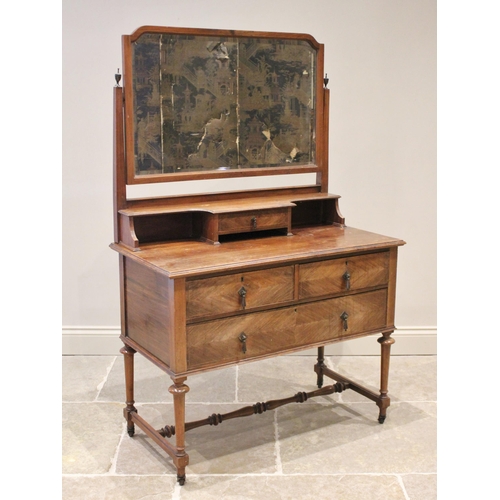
(128, 357)
(318, 367)
(385, 342)
(178, 391)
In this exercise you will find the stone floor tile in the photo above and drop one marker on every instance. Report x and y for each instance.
(243, 445)
(118, 487)
(151, 384)
(331, 444)
(292, 488)
(276, 378)
(90, 436)
(411, 378)
(82, 376)
(420, 486)
(346, 438)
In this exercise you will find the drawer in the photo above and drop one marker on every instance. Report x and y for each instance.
(342, 317)
(332, 276)
(218, 342)
(238, 292)
(242, 222)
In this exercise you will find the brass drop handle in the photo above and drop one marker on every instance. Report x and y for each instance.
(347, 279)
(254, 222)
(243, 339)
(344, 317)
(243, 294)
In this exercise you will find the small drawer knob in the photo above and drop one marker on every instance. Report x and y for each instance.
(243, 339)
(242, 292)
(347, 279)
(344, 317)
(254, 222)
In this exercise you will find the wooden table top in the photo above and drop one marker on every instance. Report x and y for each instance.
(189, 258)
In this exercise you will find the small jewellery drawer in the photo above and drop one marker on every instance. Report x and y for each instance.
(343, 274)
(238, 292)
(260, 220)
(256, 334)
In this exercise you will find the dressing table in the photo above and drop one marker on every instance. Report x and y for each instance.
(216, 279)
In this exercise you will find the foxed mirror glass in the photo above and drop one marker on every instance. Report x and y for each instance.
(218, 103)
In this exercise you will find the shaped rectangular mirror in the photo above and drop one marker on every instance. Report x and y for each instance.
(211, 102)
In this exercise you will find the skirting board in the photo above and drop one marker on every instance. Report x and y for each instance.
(410, 341)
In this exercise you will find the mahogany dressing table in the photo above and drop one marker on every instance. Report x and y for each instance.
(217, 279)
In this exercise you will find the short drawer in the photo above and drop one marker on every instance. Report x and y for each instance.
(238, 292)
(260, 220)
(257, 334)
(342, 317)
(339, 275)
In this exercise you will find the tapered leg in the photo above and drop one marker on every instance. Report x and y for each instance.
(385, 342)
(318, 367)
(178, 391)
(128, 357)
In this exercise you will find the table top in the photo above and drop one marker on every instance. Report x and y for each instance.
(188, 258)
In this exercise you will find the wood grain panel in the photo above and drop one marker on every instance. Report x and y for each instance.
(149, 296)
(367, 312)
(243, 222)
(321, 321)
(217, 341)
(212, 296)
(315, 323)
(317, 279)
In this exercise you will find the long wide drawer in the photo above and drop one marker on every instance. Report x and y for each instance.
(238, 292)
(339, 275)
(256, 334)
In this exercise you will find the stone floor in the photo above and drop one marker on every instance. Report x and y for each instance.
(328, 447)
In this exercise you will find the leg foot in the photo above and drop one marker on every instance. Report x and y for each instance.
(128, 356)
(181, 459)
(383, 403)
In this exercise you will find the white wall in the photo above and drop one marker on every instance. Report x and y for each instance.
(380, 57)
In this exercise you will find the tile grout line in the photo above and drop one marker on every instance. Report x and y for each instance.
(401, 483)
(236, 382)
(101, 384)
(176, 493)
(252, 474)
(114, 459)
(277, 448)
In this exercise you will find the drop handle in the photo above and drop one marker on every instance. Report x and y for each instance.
(243, 339)
(344, 317)
(347, 279)
(242, 292)
(254, 222)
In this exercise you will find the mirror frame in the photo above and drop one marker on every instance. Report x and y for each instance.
(320, 167)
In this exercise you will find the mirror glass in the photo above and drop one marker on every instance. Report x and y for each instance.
(217, 103)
